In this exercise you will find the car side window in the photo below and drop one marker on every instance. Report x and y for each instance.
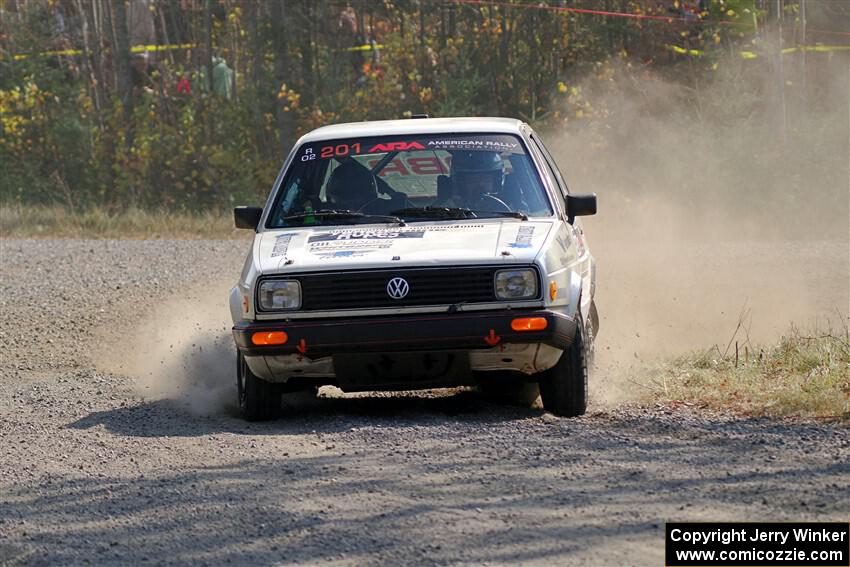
(552, 172)
(550, 162)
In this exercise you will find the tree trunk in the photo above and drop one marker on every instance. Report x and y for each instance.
(209, 43)
(285, 123)
(124, 77)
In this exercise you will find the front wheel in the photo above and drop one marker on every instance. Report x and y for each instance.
(259, 400)
(563, 388)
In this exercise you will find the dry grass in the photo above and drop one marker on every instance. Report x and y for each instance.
(803, 375)
(51, 222)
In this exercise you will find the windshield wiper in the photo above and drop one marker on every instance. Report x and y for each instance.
(439, 212)
(513, 214)
(455, 213)
(342, 214)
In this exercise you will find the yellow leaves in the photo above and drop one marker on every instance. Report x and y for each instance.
(730, 12)
(562, 88)
(289, 97)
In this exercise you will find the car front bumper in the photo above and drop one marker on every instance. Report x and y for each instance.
(460, 331)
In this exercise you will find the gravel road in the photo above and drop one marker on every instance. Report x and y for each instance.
(105, 459)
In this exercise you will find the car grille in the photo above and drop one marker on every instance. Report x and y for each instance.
(368, 289)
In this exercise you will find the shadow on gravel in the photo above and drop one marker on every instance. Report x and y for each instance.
(323, 415)
(443, 504)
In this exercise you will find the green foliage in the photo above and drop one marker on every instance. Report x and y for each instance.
(67, 139)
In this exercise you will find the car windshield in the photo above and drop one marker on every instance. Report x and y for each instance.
(409, 178)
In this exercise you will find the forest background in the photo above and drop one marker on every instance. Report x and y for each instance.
(109, 105)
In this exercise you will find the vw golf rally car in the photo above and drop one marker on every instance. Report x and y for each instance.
(413, 254)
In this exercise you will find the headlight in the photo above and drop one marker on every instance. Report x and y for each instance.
(516, 284)
(277, 295)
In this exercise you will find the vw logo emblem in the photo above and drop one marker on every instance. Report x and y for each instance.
(397, 288)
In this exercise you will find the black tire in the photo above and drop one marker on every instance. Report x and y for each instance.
(505, 388)
(563, 388)
(259, 400)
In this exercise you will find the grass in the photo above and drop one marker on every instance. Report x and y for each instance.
(51, 222)
(803, 375)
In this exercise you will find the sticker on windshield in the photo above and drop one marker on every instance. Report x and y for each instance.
(487, 145)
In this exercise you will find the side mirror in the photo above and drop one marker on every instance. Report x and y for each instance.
(247, 217)
(581, 205)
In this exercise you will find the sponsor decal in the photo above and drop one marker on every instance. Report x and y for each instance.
(488, 145)
(349, 245)
(414, 166)
(347, 248)
(396, 147)
(281, 244)
(523, 237)
(343, 254)
(355, 234)
(337, 235)
(333, 244)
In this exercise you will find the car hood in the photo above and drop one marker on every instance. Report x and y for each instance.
(372, 246)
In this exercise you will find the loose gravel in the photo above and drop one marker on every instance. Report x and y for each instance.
(96, 470)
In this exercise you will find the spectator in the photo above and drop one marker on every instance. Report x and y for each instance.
(222, 84)
(142, 73)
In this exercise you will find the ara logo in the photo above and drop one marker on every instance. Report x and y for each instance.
(396, 147)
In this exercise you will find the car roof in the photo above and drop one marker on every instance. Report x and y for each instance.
(479, 125)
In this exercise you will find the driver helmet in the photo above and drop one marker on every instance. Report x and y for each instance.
(350, 186)
(476, 173)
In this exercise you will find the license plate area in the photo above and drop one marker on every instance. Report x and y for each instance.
(402, 370)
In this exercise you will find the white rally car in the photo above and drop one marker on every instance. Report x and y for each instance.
(413, 254)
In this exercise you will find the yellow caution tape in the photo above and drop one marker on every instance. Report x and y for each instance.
(819, 48)
(753, 55)
(134, 49)
(143, 48)
(683, 51)
(367, 47)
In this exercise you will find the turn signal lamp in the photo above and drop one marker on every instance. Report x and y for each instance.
(265, 338)
(529, 324)
(553, 291)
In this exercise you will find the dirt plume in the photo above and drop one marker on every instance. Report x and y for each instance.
(721, 202)
(182, 351)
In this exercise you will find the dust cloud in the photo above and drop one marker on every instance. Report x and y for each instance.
(182, 351)
(720, 202)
